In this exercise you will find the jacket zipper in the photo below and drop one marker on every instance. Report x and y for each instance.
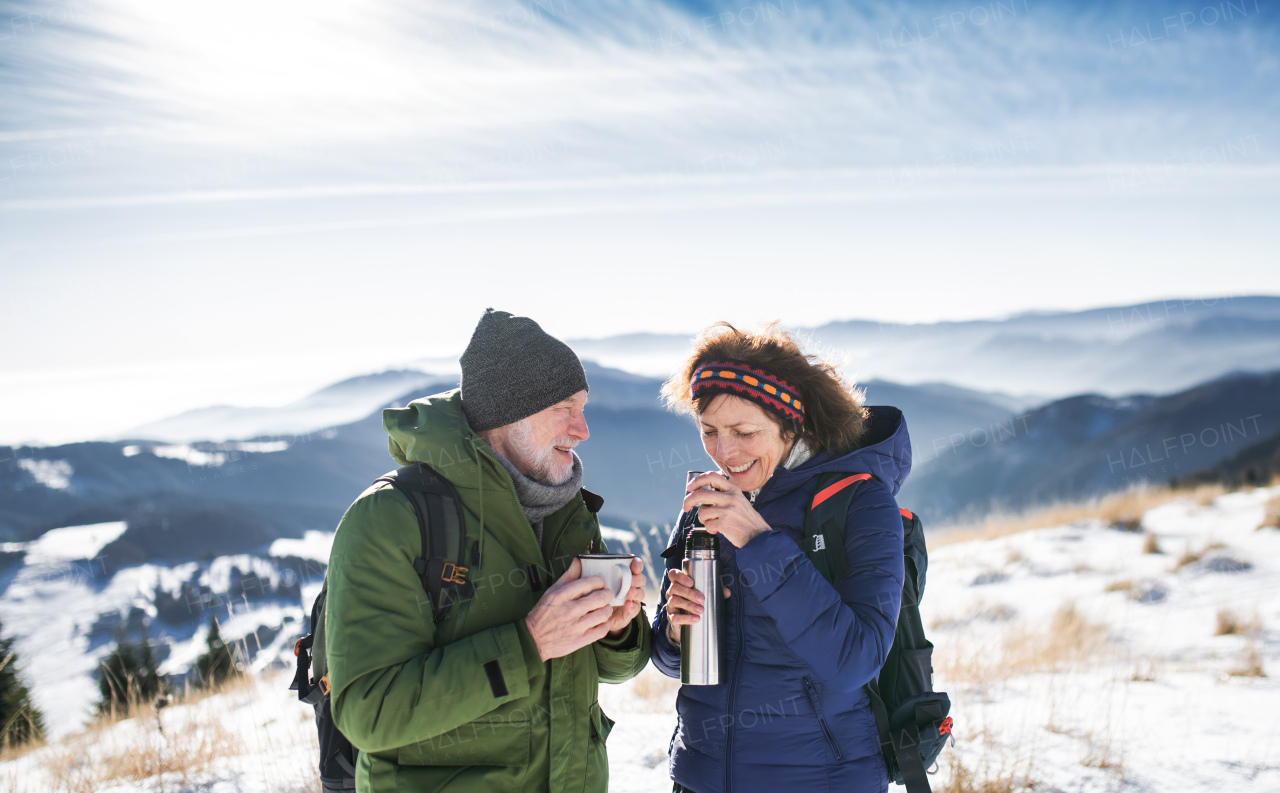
(733, 681)
(812, 692)
(733, 694)
(555, 546)
(511, 482)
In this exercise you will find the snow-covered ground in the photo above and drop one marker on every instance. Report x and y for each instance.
(1075, 662)
(253, 738)
(65, 610)
(1079, 662)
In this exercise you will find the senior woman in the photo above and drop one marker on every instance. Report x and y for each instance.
(790, 712)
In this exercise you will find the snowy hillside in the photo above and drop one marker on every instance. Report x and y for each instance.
(66, 610)
(1076, 658)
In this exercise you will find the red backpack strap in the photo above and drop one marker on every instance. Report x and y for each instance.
(824, 523)
(830, 490)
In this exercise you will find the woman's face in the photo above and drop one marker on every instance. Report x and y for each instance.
(743, 440)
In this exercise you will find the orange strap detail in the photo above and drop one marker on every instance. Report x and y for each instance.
(906, 514)
(830, 490)
(324, 685)
(453, 574)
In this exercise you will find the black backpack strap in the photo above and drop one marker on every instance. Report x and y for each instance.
(906, 749)
(908, 669)
(347, 766)
(913, 548)
(882, 721)
(307, 692)
(824, 523)
(442, 525)
(304, 650)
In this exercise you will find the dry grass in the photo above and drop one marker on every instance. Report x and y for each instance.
(160, 746)
(655, 689)
(1250, 664)
(1150, 544)
(988, 773)
(1101, 755)
(1191, 557)
(1124, 509)
(9, 782)
(1271, 515)
(172, 745)
(1230, 624)
(190, 749)
(1099, 752)
(1138, 591)
(189, 695)
(1068, 641)
(11, 751)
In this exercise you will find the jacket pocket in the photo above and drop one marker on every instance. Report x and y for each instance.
(915, 673)
(601, 725)
(487, 743)
(815, 701)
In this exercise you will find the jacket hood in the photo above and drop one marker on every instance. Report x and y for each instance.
(885, 453)
(433, 430)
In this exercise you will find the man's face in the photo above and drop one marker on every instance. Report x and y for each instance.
(540, 446)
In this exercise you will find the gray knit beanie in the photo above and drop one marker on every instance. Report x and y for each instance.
(512, 369)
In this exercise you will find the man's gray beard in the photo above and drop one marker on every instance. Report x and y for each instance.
(540, 461)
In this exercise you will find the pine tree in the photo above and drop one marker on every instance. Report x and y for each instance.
(20, 719)
(128, 676)
(218, 663)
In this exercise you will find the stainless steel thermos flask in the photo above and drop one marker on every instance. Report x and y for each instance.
(700, 643)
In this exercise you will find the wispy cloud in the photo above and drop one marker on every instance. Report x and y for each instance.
(401, 87)
(949, 143)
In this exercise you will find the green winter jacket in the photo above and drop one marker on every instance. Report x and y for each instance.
(414, 696)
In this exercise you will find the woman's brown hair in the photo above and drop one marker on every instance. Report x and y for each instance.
(834, 417)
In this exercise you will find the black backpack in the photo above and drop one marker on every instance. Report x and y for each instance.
(440, 567)
(912, 718)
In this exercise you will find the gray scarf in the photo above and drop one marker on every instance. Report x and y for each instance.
(539, 500)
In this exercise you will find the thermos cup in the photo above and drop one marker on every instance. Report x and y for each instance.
(700, 643)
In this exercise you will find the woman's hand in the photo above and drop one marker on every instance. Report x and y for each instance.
(684, 604)
(724, 509)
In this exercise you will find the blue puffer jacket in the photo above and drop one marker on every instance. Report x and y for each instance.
(791, 713)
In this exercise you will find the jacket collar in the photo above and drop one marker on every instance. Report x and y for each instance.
(885, 453)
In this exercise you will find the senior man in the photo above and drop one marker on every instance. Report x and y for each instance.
(500, 695)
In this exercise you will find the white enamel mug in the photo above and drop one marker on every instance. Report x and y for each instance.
(614, 568)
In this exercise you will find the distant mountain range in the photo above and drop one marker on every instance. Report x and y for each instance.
(973, 450)
(340, 403)
(1089, 445)
(1151, 348)
(1015, 363)
(280, 485)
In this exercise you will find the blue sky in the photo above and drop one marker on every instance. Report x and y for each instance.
(239, 202)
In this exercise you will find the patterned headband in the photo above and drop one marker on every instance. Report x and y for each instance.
(743, 379)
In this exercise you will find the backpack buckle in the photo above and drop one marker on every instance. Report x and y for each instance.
(453, 574)
(819, 542)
